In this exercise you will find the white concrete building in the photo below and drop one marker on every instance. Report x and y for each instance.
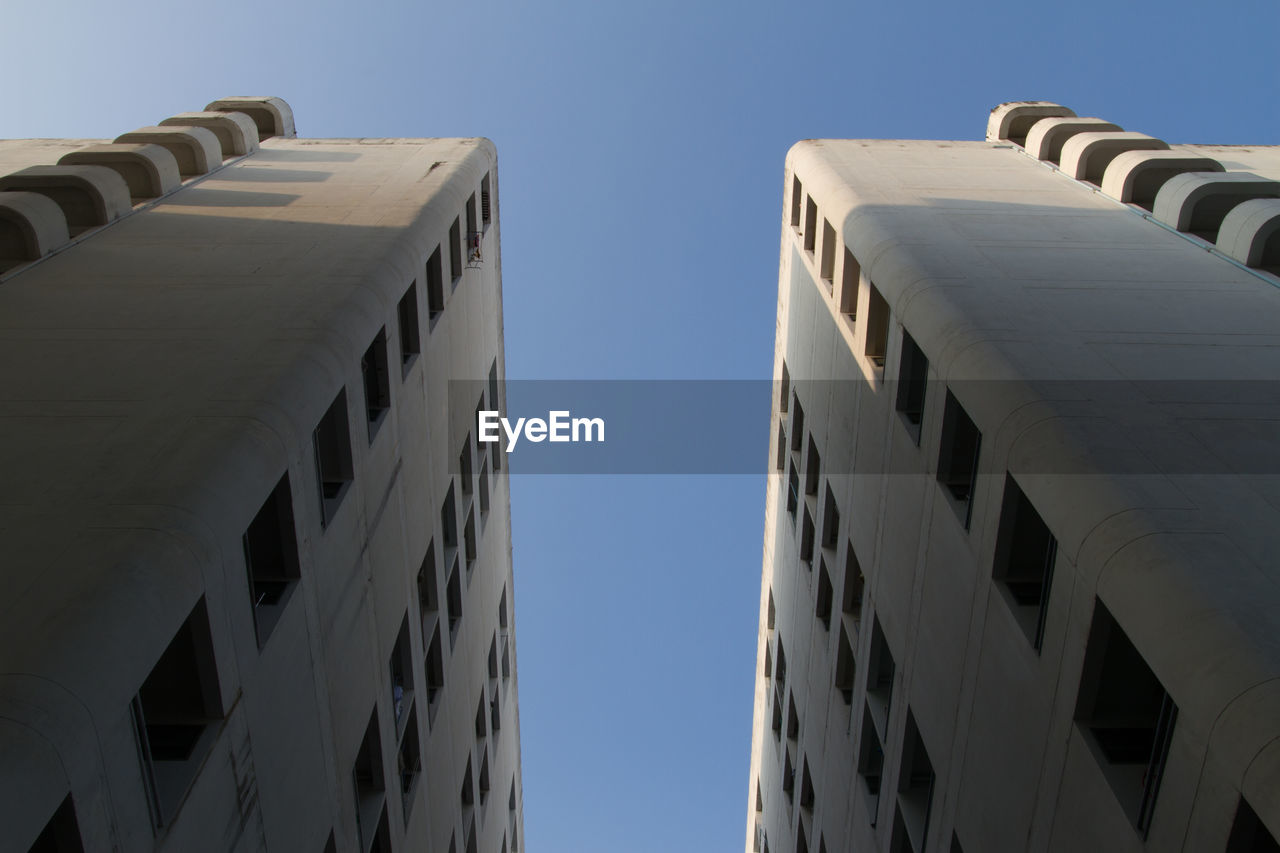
(1020, 587)
(256, 572)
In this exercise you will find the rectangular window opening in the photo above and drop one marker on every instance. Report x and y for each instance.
(850, 273)
(810, 225)
(846, 667)
(331, 442)
(271, 557)
(913, 376)
(472, 223)
(958, 458)
(806, 540)
(797, 193)
(377, 384)
(369, 783)
(62, 833)
(486, 201)
(410, 340)
(435, 674)
(830, 520)
(1025, 554)
(453, 602)
(812, 468)
(870, 761)
(455, 251)
(822, 608)
(877, 343)
(827, 264)
(880, 677)
(915, 785)
(435, 287)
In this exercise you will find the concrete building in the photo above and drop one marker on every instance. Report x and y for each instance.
(256, 573)
(1020, 587)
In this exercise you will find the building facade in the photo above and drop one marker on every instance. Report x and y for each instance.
(256, 569)
(1020, 585)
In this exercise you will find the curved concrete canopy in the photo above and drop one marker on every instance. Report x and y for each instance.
(31, 226)
(1198, 202)
(148, 170)
(1086, 156)
(196, 149)
(88, 195)
(1250, 233)
(273, 116)
(1012, 120)
(1136, 176)
(236, 132)
(1048, 135)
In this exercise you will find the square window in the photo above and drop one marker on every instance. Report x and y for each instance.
(1126, 716)
(1025, 554)
(377, 384)
(913, 376)
(435, 287)
(407, 317)
(271, 557)
(174, 712)
(332, 444)
(958, 458)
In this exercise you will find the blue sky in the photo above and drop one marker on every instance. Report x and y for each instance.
(641, 151)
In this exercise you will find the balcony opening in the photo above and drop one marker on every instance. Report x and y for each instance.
(435, 287)
(271, 556)
(407, 318)
(913, 376)
(1025, 554)
(377, 385)
(877, 343)
(958, 458)
(1127, 717)
(175, 715)
(331, 443)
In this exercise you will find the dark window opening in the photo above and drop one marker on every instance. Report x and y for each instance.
(332, 444)
(913, 377)
(793, 491)
(493, 657)
(827, 266)
(435, 287)
(1248, 834)
(826, 593)
(788, 778)
(796, 195)
(793, 718)
(810, 224)
(1127, 715)
(877, 326)
(486, 201)
(870, 761)
(806, 540)
(771, 612)
(483, 782)
(449, 521)
(830, 520)
(370, 785)
(846, 667)
(782, 447)
(62, 833)
(271, 556)
(812, 468)
(401, 671)
(409, 763)
(849, 275)
(784, 389)
(854, 583)
(777, 714)
(174, 715)
(453, 602)
(900, 839)
(484, 489)
(482, 719)
(797, 423)
(469, 551)
(377, 385)
(495, 448)
(807, 794)
(455, 251)
(958, 458)
(428, 590)
(915, 784)
(880, 676)
(410, 340)
(435, 674)
(466, 793)
(465, 471)
(1025, 553)
(472, 224)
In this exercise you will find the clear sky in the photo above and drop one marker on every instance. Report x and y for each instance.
(641, 153)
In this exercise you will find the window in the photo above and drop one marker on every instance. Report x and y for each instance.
(449, 521)
(958, 458)
(495, 448)
(174, 715)
(870, 760)
(409, 763)
(788, 777)
(401, 671)
(806, 539)
(880, 677)
(782, 664)
(913, 374)
(484, 489)
(813, 468)
(830, 520)
(782, 447)
(466, 794)
(486, 201)
(62, 833)
(483, 782)
(1248, 834)
(271, 557)
(502, 609)
(495, 715)
(407, 316)
(806, 788)
(877, 327)
(827, 266)
(854, 582)
(810, 225)
(784, 389)
(915, 785)
(332, 444)
(825, 594)
(465, 470)
(1025, 553)
(493, 657)
(469, 540)
(793, 491)
(1126, 716)
(377, 386)
(802, 843)
(435, 287)
(435, 674)
(777, 714)
(796, 194)
(453, 602)
(797, 422)
(506, 658)
(455, 251)
(793, 718)
(770, 612)
(482, 719)
(428, 591)
(900, 839)
(472, 225)
(845, 667)
(370, 785)
(849, 275)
